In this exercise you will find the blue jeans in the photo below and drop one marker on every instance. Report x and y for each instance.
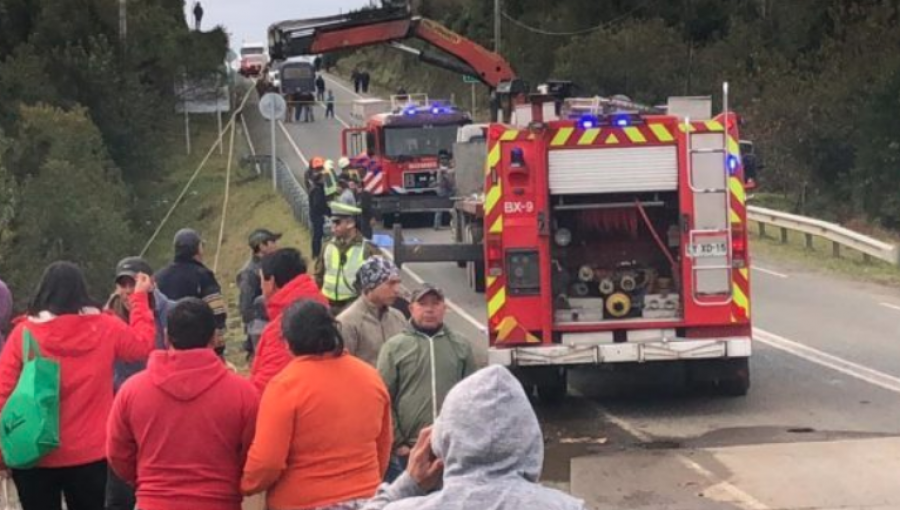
(396, 467)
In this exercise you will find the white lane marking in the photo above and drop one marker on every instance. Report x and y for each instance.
(290, 140)
(738, 496)
(889, 305)
(770, 272)
(846, 367)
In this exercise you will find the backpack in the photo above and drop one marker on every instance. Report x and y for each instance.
(29, 422)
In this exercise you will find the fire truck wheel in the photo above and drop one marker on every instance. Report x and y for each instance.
(553, 390)
(737, 382)
(727, 377)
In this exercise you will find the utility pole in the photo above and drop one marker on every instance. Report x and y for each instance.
(497, 26)
(123, 20)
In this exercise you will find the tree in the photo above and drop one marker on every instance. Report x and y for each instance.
(72, 204)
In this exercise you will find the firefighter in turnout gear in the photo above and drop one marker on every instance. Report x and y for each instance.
(342, 256)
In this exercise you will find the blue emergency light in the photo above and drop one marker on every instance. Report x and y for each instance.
(588, 121)
(732, 163)
(621, 121)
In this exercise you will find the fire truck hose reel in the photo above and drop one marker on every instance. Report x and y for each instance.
(586, 274)
(580, 289)
(618, 305)
(628, 283)
(607, 286)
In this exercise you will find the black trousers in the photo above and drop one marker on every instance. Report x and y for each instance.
(318, 227)
(119, 495)
(84, 487)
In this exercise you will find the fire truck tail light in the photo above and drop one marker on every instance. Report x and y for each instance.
(494, 262)
(738, 246)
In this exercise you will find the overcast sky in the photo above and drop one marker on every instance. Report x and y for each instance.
(248, 20)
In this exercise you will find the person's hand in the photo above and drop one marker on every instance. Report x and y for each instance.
(424, 467)
(402, 451)
(143, 283)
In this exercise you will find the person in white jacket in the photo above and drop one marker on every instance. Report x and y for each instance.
(485, 451)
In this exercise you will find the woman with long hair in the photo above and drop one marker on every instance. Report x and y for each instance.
(323, 433)
(70, 328)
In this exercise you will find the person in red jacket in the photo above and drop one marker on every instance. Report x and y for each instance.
(284, 281)
(180, 430)
(70, 328)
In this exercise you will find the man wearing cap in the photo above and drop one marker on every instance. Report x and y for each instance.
(262, 242)
(341, 257)
(120, 495)
(419, 367)
(186, 276)
(371, 320)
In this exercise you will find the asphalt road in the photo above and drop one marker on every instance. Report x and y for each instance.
(819, 429)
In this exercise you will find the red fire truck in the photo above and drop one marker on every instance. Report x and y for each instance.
(400, 149)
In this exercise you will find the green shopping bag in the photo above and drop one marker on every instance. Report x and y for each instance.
(29, 422)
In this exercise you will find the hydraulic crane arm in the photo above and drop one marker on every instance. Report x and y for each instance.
(392, 26)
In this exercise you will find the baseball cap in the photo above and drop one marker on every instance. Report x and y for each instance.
(187, 238)
(261, 236)
(132, 266)
(425, 290)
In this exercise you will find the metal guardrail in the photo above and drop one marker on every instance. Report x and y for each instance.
(838, 235)
(287, 183)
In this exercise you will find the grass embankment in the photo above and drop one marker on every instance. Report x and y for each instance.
(252, 204)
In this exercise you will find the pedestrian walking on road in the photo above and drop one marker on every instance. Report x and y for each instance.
(329, 105)
(262, 242)
(69, 328)
(284, 281)
(186, 276)
(198, 15)
(342, 257)
(419, 367)
(323, 435)
(320, 88)
(364, 78)
(356, 77)
(119, 493)
(180, 431)
(465, 462)
(370, 321)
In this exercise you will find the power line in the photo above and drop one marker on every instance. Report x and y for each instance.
(608, 24)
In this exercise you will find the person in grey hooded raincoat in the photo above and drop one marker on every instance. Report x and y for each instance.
(489, 443)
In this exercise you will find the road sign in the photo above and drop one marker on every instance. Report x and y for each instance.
(470, 79)
(272, 106)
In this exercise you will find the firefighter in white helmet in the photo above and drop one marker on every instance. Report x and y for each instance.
(342, 257)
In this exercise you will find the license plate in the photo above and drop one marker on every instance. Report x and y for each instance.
(703, 250)
(419, 180)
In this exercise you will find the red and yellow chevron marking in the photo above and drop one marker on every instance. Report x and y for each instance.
(644, 134)
(740, 293)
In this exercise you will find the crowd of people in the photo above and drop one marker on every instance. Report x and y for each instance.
(353, 401)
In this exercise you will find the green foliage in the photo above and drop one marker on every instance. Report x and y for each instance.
(84, 114)
(810, 78)
(72, 204)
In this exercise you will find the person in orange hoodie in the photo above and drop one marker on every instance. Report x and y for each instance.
(324, 433)
(284, 281)
(180, 430)
(70, 328)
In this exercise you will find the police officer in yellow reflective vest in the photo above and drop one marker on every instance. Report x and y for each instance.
(342, 257)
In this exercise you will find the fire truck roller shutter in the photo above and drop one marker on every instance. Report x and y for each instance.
(613, 170)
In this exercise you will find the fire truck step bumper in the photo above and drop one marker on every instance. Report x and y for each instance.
(634, 352)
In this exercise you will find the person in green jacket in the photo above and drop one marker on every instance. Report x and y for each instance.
(419, 367)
